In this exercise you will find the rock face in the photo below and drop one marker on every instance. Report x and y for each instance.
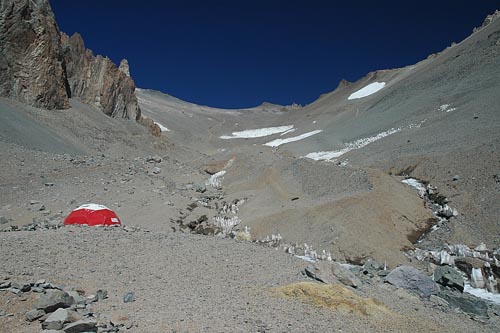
(41, 67)
(97, 81)
(32, 68)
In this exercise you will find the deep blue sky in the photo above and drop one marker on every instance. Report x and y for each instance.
(242, 53)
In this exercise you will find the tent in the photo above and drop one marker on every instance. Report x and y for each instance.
(92, 215)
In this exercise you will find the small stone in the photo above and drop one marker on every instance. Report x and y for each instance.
(129, 297)
(34, 314)
(156, 170)
(86, 325)
(34, 202)
(456, 177)
(5, 314)
(49, 184)
(101, 294)
(91, 298)
(56, 320)
(201, 189)
(5, 285)
(41, 208)
(153, 159)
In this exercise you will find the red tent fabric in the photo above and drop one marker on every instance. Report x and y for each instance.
(92, 215)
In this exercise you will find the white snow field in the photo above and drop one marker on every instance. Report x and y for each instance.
(367, 91)
(279, 142)
(329, 155)
(257, 133)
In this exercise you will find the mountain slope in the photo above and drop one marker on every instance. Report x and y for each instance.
(434, 120)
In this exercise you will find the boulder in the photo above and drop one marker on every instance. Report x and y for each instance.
(412, 279)
(345, 276)
(449, 277)
(466, 303)
(86, 325)
(320, 271)
(54, 299)
(34, 314)
(56, 320)
(372, 267)
(331, 272)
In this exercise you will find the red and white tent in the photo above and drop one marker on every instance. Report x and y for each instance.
(92, 215)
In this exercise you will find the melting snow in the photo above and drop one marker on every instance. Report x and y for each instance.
(279, 142)
(329, 155)
(417, 185)
(257, 133)
(482, 293)
(446, 108)
(162, 128)
(367, 91)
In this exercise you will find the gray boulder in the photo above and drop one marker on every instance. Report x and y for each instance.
(331, 272)
(372, 267)
(449, 277)
(345, 276)
(321, 272)
(412, 279)
(56, 320)
(466, 303)
(34, 314)
(86, 325)
(54, 299)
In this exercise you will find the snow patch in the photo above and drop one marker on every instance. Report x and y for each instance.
(367, 91)
(162, 128)
(216, 179)
(330, 155)
(257, 133)
(279, 142)
(446, 108)
(92, 206)
(289, 131)
(421, 189)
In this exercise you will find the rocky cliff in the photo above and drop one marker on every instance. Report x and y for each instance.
(97, 81)
(41, 67)
(32, 68)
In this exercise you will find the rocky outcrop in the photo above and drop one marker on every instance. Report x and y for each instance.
(488, 20)
(41, 67)
(95, 80)
(32, 68)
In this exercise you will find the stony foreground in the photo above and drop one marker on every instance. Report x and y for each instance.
(189, 283)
